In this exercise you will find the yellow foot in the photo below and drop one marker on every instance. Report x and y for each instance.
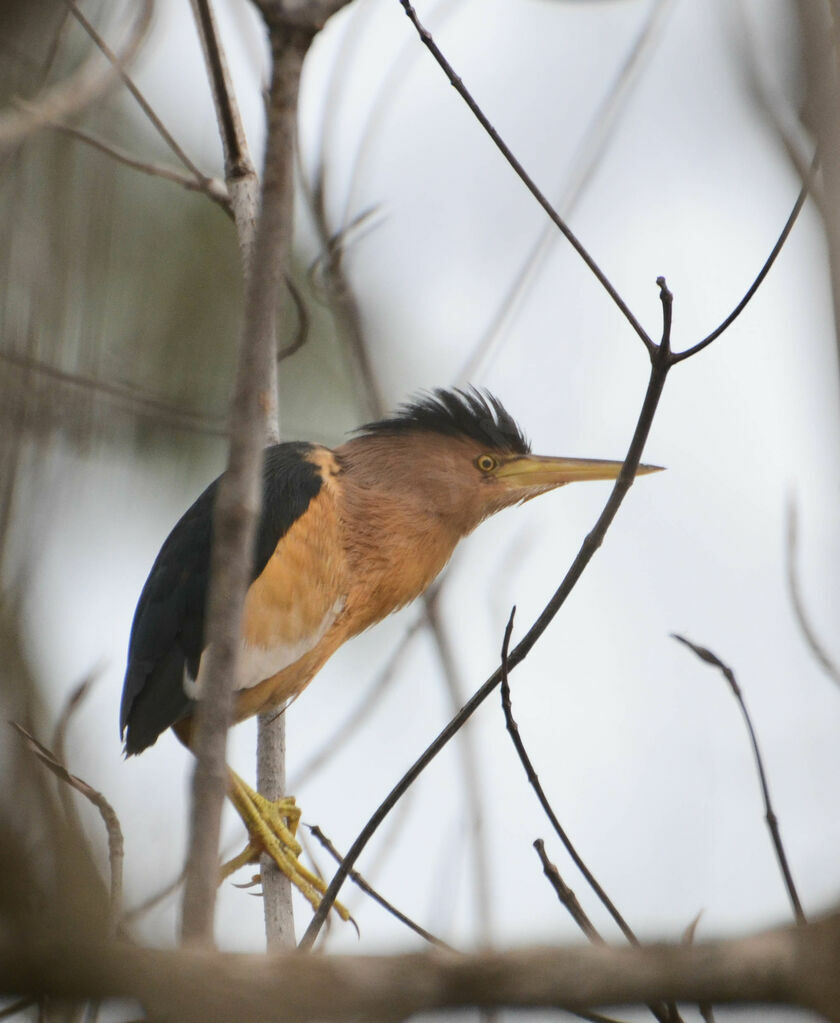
(272, 827)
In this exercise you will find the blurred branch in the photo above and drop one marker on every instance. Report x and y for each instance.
(140, 99)
(211, 187)
(79, 90)
(567, 897)
(790, 966)
(116, 847)
(772, 820)
(815, 645)
(142, 405)
(534, 782)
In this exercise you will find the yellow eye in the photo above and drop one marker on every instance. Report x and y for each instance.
(487, 463)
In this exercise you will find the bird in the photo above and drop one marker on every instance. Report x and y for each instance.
(346, 537)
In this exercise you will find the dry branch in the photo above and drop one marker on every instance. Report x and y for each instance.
(791, 966)
(79, 90)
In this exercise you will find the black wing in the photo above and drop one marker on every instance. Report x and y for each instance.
(167, 635)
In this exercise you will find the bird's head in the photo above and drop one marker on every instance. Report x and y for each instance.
(461, 453)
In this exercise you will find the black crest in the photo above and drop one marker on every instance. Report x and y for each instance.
(476, 414)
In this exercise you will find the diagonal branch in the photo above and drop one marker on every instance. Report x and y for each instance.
(770, 816)
(76, 92)
(522, 174)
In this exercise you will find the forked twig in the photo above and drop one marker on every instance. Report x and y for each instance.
(770, 816)
(211, 187)
(116, 845)
(357, 878)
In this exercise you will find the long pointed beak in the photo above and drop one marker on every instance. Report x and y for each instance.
(539, 470)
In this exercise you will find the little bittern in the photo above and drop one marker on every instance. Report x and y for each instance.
(346, 537)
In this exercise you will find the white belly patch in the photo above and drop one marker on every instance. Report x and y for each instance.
(258, 663)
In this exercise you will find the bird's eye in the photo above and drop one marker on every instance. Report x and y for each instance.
(487, 463)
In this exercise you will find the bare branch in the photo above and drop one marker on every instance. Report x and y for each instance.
(145, 106)
(211, 187)
(109, 817)
(76, 92)
(590, 152)
(772, 820)
(790, 966)
(534, 781)
(762, 273)
(126, 396)
(522, 174)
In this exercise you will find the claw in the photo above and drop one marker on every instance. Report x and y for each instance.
(272, 827)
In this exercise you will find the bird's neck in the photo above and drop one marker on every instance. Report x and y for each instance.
(395, 548)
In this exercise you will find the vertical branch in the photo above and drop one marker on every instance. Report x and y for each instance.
(238, 503)
(243, 187)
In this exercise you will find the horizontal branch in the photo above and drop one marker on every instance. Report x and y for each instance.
(792, 966)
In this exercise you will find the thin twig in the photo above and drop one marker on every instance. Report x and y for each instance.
(662, 1012)
(211, 187)
(770, 816)
(566, 895)
(357, 879)
(73, 94)
(660, 364)
(783, 966)
(600, 132)
(534, 781)
(116, 845)
(141, 100)
(522, 174)
(143, 405)
(762, 273)
(303, 324)
(809, 634)
(72, 704)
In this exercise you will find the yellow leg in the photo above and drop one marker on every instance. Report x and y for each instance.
(272, 827)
